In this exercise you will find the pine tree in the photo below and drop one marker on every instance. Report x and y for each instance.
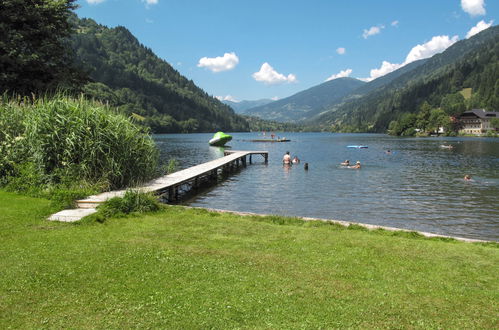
(34, 54)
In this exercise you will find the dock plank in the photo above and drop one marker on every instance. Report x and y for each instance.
(174, 179)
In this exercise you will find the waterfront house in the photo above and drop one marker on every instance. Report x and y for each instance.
(477, 121)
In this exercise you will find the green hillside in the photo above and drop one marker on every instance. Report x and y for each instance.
(128, 75)
(471, 63)
(241, 107)
(307, 103)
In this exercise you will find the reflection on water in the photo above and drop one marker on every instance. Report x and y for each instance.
(418, 185)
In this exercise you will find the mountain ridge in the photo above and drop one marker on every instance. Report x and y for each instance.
(466, 64)
(241, 106)
(129, 76)
(306, 103)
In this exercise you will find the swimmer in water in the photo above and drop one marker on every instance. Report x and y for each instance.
(356, 166)
(345, 163)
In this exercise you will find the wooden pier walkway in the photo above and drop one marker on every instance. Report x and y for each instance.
(168, 185)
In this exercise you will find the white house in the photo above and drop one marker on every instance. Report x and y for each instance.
(477, 121)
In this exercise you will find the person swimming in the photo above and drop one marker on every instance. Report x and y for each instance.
(295, 160)
(356, 166)
(467, 177)
(345, 163)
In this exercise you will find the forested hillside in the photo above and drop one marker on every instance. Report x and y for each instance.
(308, 103)
(242, 106)
(130, 76)
(471, 63)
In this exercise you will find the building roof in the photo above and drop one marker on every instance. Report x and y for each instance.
(480, 113)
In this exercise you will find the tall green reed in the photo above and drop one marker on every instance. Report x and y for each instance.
(74, 139)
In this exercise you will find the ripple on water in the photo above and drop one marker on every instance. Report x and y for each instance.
(418, 186)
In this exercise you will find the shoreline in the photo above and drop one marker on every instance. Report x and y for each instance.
(347, 224)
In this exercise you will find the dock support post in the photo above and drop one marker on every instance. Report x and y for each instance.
(250, 158)
(266, 158)
(170, 194)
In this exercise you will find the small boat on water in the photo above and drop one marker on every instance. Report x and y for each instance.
(271, 140)
(357, 147)
(220, 139)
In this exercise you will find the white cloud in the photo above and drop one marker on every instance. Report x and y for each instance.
(372, 31)
(220, 63)
(151, 2)
(473, 7)
(386, 67)
(480, 26)
(95, 2)
(227, 98)
(268, 75)
(436, 45)
(275, 98)
(341, 50)
(341, 74)
(395, 23)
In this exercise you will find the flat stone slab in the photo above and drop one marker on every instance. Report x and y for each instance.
(71, 215)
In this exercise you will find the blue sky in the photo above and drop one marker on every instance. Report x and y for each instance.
(248, 50)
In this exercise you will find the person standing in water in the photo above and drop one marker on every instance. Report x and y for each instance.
(286, 160)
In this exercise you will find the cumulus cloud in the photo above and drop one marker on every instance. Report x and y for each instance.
(473, 7)
(220, 63)
(268, 75)
(372, 31)
(386, 67)
(95, 2)
(395, 23)
(480, 26)
(341, 50)
(227, 98)
(436, 45)
(275, 98)
(341, 74)
(151, 2)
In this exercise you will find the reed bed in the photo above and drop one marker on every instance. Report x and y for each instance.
(60, 140)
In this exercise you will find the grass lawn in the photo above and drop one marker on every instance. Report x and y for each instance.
(186, 268)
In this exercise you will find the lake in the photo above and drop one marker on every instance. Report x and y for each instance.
(418, 186)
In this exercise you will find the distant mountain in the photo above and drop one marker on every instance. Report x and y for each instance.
(242, 106)
(470, 63)
(307, 103)
(130, 76)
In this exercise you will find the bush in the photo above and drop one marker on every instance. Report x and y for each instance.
(132, 202)
(67, 140)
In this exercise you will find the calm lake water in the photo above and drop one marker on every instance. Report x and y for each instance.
(418, 186)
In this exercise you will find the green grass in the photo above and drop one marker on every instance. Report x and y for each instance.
(190, 268)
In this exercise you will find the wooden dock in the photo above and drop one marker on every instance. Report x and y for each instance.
(169, 185)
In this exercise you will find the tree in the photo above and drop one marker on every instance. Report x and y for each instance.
(423, 116)
(438, 118)
(453, 104)
(34, 53)
(494, 122)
